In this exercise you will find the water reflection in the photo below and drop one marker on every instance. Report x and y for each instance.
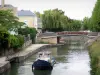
(42, 72)
(72, 59)
(12, 71)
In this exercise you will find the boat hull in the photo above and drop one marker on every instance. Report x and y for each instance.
(42, 65)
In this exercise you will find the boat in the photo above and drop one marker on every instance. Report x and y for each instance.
(44, 61)
(42, 72)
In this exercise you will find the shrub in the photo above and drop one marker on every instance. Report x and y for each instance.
(21, 40)
(26, 31)
(95, 58)
(33, 33)
(16, 41)
(4, 39)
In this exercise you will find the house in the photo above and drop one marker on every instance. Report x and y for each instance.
(27, 17)
(4, 6)
(30, 19)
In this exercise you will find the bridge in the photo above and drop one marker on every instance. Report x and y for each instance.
(66, 35)
(71, 33)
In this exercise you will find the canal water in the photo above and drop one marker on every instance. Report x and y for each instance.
(71, 59)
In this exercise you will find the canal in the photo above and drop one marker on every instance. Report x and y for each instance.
(71, 59)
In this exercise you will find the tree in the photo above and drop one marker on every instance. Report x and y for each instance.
(4, 40)
(86, 23)
(76, 25)
(95, 18)
(73, 25)
(26, 31)
(9, 21)
(54, 20)
(37, 14)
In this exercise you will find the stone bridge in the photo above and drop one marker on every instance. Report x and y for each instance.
(51, 37)
(71, 33)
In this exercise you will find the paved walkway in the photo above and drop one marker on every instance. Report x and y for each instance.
(24, 52)
(31, 48)
(2, 61)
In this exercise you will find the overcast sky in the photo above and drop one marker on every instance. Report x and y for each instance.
(75, 9)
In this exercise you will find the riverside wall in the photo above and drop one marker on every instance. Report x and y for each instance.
(90, 41)
(5, 66)
(21, 56)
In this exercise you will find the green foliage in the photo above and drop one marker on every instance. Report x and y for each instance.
(95, 58)
(38, 14)
(73, 25)
(4, 39)
(10, 41)
(21, 40)
(33, 33)
(86, 23)
(26, 31)
(16, 41)
(55, 20)
(95, 19)
(9, 21)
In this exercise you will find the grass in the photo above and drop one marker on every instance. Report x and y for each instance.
(95, 58)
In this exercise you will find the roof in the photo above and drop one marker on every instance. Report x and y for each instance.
(25, 13)
(7, 5)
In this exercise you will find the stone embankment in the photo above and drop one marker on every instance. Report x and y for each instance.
(90, 41)
(4, 65)
(22, 55)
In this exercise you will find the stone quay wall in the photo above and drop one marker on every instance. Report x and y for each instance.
(20, 57)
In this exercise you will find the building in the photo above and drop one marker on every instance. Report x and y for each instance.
(38, 24)
(30, 19)
(4, 6)
(27, 17)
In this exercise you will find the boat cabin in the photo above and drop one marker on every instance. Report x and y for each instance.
(44, 56)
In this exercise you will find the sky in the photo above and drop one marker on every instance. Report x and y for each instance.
(74, 9)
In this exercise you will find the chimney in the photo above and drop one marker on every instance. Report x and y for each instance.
(2, 3)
